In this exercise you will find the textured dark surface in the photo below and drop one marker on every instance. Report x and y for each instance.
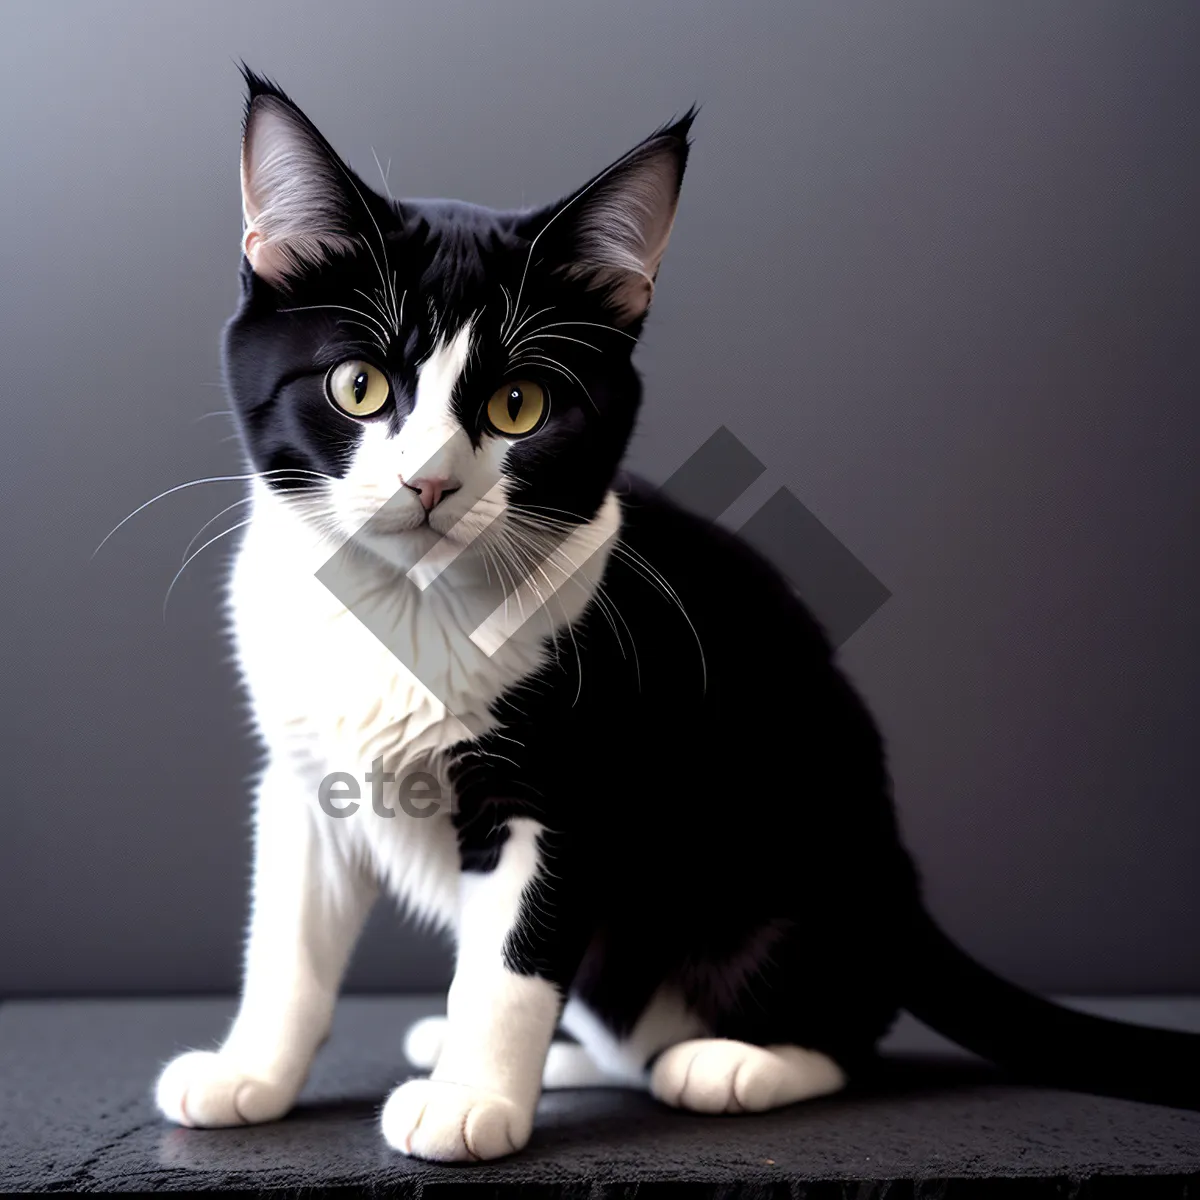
(75, 1113)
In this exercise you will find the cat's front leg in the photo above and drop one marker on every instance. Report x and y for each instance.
(308, 907)
(521, 935)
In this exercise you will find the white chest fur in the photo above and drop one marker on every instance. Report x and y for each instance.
(330, 696)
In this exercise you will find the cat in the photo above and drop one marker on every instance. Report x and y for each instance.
(667, 822)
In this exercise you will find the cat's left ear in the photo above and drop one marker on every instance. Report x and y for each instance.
(299, 199)
(612, 233)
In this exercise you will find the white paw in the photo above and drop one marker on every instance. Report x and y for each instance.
(423, 1042)
(716, 1075)
(206, 1090)
(450, 1122)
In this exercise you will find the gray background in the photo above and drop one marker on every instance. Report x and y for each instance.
(936, 264)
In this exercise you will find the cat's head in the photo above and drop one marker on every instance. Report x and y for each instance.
(456, 365)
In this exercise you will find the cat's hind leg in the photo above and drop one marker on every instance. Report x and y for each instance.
(791, 1012)
(423, 1042)
(670, 1049)
(720, 1075)
(570, 1066)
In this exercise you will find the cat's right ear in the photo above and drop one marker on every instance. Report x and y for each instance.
(297, 197)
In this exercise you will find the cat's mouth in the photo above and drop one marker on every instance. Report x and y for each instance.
(412, 536)
(423, 526)
(401, 530)
(455, 526)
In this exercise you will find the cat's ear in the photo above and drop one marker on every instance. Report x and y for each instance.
(613, 232)
(297, 194)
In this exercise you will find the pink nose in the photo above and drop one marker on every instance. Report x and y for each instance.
(431, 489)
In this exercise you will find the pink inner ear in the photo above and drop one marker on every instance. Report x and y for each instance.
(631, 294)
(251, 244)
(262, 261)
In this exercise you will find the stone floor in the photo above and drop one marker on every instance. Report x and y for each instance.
(75, 1114)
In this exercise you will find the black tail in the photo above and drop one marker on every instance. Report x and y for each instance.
(1039, 1041)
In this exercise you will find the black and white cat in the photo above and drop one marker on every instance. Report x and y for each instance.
(667, 823)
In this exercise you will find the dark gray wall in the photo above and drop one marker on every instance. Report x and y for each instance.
(936, 263)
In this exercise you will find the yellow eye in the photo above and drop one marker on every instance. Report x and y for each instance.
(517, 407)
(357, 388)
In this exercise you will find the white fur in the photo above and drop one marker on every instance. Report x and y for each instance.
(329, 696)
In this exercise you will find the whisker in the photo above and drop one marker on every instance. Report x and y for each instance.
(554, 365)
(520, 529)
(179, 487)
(539, 556)
(375, 337)
(527, 581)
(591, 324)
(382, 244)
(245, 500)
(561, 337)
(194, 554)
(383, 173)
(211, 520)
(344, 308)
(525, 322)
(383, 312)
(603, 603)
(636, 562)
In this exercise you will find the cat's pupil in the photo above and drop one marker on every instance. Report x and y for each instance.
(360, 387)
(515, 400)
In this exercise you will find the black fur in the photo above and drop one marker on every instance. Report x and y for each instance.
(715, 794)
